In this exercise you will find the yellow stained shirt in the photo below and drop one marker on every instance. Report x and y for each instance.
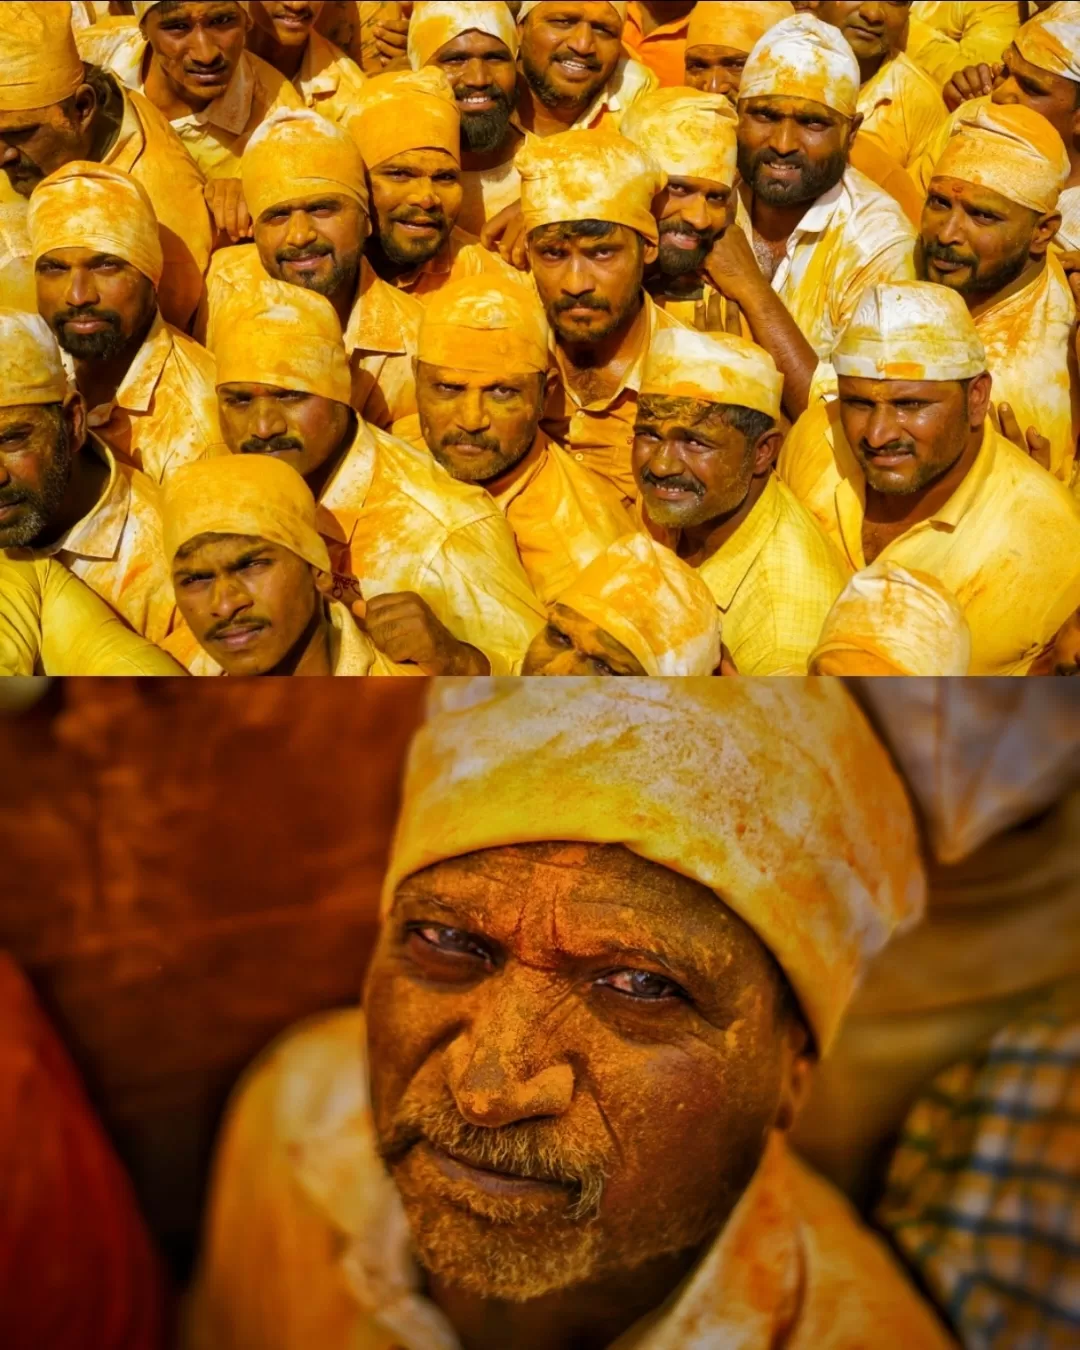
(18, 289)
(307, 1243)
(1068, 237)
(1006, 543)
(53, 624)
(981, 30)
(396, 521)
(663, 50)
(901, 108)
(462, 257)
(486, 192)
(329, 81)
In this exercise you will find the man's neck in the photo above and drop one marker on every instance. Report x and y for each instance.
(701, 542)
(286, 60)
(595, 369)
(98, 380)
(311, 655)
(318, 479)
(979, 304)
(774, 224)
(543, 119)
(516, 472)
(870, 65)
(888, 517)
(85, 488)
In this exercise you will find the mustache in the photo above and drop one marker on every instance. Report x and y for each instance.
(108, 316)
(12, 497)
(677, 226)
(798, 159)
(681, 482)
(943, 253)
(580, 302)
(407, 216)
(322, 250)
(893, 448)
(228, 626)
(218, 67)
(477, 441)
(494, 93)
(276, 445)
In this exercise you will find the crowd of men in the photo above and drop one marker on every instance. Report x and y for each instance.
(551, 338)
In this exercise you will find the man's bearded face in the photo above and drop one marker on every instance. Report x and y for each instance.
(791, 150)
(483, 76)
(314, 242)
(36, 454)
(416, 199)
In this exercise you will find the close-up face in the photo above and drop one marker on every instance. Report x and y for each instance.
(873, 28)
(571, 644)
(198, 45)
(715, 69)
(791, 150)
(1052, 96)
(314, 242)
(483, 75)
(478, 426)
(908, 434)
(38, 141)
(576, 1057)
(248, 602)
(37, 445)
(288, 21)
(589, 280)
(691, 213)
(416, 198)
(301, 429)
(976, 241)
(95, 303)
(570, 51)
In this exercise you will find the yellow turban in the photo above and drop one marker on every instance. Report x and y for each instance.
(17, 286)
(286, 337)
(434, 23)
(299, 153)
(738, 24)
(890, 621)
(486, 325)
(690, 134)
(588, 175)
(1051, 41)
(143, 7)
(526, 9)
(255, 495)
(31, 362)
(715, 367)
(86, 205)
(40, 64)
(1011, 150)
(802, 57)
(406, 110)
(910, 330)
(773, 793)
(645, 597)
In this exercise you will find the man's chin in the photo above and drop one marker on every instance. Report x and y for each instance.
(681, 262)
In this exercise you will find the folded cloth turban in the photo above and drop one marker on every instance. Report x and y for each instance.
(143, 7)
(40, 64)
(1051, 40)
(689, 133)
(434, 23)
(910, 330)
(31, 362)
(738, 24)
(890, 621)
(802, 57)
(485, 325)
(714, 367)
(775, 794)
(1011, 150)
(285, 337)
(588, 175)
(529, 5)
(85, 205)
(406, 110)
(644, 596)
(255, 495)
(299, 153)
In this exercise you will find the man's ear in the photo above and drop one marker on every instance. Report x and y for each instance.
(650, 253)
(767, 451)
(799, 1063)
(1046, 229)
(85, 102)
(979, 391)
(75, 418)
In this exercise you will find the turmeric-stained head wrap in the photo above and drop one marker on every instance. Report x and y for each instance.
(772, 793)
(286, 337)
(802, 57)
(299, 153)
(910, 330)
(31, 362)
(644, 596)
(891, 621)
(40, 64)
(18, 289)
(1011, 150)
(714, 367)
(143, 7)
(486, 325)
(738, 24)
(255, 495)
(1051, 40)
(85, 205)
(527, 8)
(406, 110)
(434, 23)
(588, 175)
(689, 133)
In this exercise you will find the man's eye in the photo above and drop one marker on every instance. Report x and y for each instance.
(642, 985)
(601, 667)
(555, 638)
(449, 941)
(645, 435)
(503, 392)
(194, 579)
(446, 178)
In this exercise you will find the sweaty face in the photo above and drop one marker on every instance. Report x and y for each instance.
(905, 435)
(198, 45)
(1052, 96)
(416, 198)
(39, 141)
(974, 240)
(475, 425)
(290, 21)
(573, 645)
(95, 303)
(248, 602)
(716, 70)
(791, 150)
(301, 429)
(689, 465)
(576, 1058)
(36, 450)
(590, 283)
(483, 76)
(314, 242)
(570, 51)
(873, 28)
(692, 213)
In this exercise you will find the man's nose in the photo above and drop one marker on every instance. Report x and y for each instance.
(201, 47)
(720, 81)
(301, 229)
(82, 289)
(423, 194)
(582, 40)
(665, 461)
(951, 230)
(578, 279)
(882, 427)
(695, 212)
(472, 411)
(228, 598)
(268, 420)
(783, 138)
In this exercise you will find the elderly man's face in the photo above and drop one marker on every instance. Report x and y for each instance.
(37, 447)
(691, 213)
(577, 1057)
(873, 28)
(715, 69)
(289, 21)
(416, 198)
(589, 276)
(301, 429)
(314, 242)
(792, 150)
(483, 76)
(39, 141)
(570, 51)
(478, 426)
(95, 303)
(1052, 96)
(976, 241)
(198, 45)
(571, 644)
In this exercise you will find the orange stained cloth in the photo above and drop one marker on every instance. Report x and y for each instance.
(910, 331)
(143, 7)
(33, 368)
(434, 23)
(888, 174)
(689, 133)
(488, 191)
(663, 50)
(407, 110)
(460, 258)
(714, 368)
(18, 288)
(1006, 544)
(1009, 149)
(38, 56)
(486, 326)
(329, 81)
(980, 29)
(802, 57)
(298, 153)
(901, 108)
(738, 24)
(1051, 41)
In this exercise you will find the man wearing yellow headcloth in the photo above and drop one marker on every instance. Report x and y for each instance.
(991, 215)
(284, 34)
(55, 109)
(62, 493)
(433, 559)
(545, 1129)
(721, 35)
(707, 438)
(908, 468)
(148, 388)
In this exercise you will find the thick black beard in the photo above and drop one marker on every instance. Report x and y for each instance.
(677, 262)
(45, 503)
(407, 259)
(817, 180)
(343, 277)
(990, 282)
(483, 132)
(546, 92)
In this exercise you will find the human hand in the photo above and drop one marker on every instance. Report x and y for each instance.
(1033, 444)
(405, 628)
(972, 82)
(225, 198)
(505, 234)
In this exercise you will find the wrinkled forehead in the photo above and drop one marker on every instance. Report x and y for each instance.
(974, 194)
(899, 391)
(38, 416)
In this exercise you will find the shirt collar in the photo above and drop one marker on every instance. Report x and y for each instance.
(730, 565)
(318, 70)
(383, 319)
(344, 496)
(232, 110)
(99, 532)
(136, 391)
(820, 215)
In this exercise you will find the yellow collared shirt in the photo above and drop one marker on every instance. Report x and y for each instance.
(329, 81)
(902, 108)
(980, 29)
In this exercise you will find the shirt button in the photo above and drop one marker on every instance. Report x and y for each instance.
(580, 458)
